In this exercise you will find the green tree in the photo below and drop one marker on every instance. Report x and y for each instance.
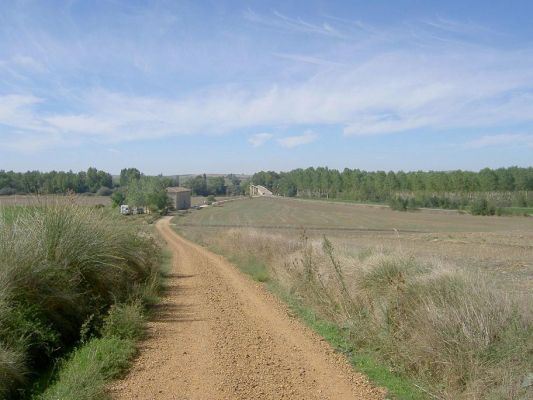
(128, 175)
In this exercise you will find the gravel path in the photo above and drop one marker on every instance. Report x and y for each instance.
(219, 335)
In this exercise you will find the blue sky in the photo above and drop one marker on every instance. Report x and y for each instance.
(240, 86)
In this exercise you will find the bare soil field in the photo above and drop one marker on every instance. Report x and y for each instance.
(501, 245)
(26, 200)
(219, 335)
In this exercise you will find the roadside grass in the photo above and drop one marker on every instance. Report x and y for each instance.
(84, 375)
(251, 266)
(398, 387)
(86, 372)
(422, 329)
(68, 272)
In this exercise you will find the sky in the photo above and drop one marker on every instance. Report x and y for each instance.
(178, 87)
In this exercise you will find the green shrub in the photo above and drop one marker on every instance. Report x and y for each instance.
(124, 321)
(12, 371)
(84, 374)
(482, 206)
(118, 198)
(398, 203)
(104, 191)
(7, 191)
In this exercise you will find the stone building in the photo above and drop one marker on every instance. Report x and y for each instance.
(180, 198)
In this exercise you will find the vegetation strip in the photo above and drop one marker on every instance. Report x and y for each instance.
(71, 277)
(397, 386)
(487, 192)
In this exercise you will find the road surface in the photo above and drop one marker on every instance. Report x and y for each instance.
(217, 334)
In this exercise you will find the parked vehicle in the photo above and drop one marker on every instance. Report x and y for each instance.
(125, 209)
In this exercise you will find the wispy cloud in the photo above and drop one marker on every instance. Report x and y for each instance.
(280, 21)
(308, 59)
(260, 139)
(453, 26)
(388, 80)
(293, 141)
(505, 139)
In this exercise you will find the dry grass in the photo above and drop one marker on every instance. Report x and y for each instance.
(502, 246)
(455, 332)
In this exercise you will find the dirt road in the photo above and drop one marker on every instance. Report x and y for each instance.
(220, 335)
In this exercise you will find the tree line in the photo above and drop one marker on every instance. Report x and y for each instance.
(202, 185)
(453, 187)
(132, 186)
(54, 182)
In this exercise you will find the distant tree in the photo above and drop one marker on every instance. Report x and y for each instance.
(234, 186)
(148, 191)
(216, 185)
(128, 175)
(118, 198)
(198, 185)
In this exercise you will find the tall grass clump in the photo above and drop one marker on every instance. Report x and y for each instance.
(62, 266)
(456, 334)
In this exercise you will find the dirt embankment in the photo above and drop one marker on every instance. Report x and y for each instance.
(219, 335)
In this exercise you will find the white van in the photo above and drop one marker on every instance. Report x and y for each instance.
(125, 209)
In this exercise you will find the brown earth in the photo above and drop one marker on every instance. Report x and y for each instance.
(219, 335)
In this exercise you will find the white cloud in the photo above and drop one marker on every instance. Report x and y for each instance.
(386, 82)
(259, 139)
(501, 140)
(293, 141)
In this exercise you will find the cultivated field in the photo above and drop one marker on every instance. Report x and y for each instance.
(199, 200)
(503, 245)
(442, 299)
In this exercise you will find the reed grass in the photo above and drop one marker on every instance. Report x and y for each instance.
(62, 267)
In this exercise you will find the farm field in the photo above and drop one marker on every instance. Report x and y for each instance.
(293, 213)
(503, 245)
(28, 200)
(413, 289)
(199, 200)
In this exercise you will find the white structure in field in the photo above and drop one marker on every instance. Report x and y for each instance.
(258, 190)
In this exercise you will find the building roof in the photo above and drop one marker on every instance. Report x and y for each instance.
(177, 189)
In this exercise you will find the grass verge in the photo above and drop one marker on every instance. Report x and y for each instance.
(84, 374)
(68, 275)
(398, 387)
(106, 355)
